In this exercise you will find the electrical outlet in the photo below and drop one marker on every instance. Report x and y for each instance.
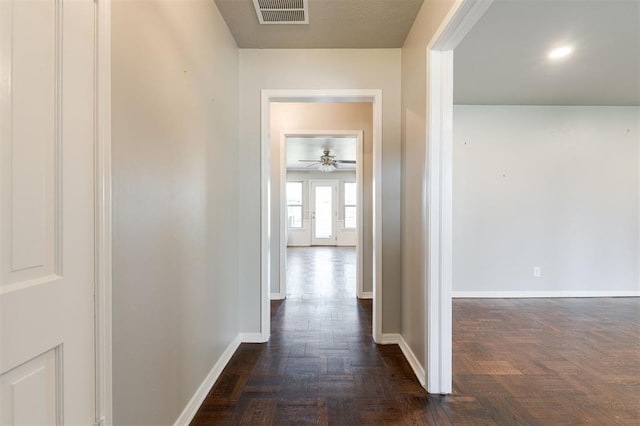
(536, 272)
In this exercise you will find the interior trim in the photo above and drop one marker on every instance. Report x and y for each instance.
(191, 409)
(541, 294)
(365, 95)
(103, 236)
(439, 200)
(359, 135)
(412, 359)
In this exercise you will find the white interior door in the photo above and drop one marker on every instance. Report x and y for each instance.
(47, 101)
(324, 212)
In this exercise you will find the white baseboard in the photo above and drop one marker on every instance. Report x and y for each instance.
(194, 404)
(366, 295)
(278, 296)
(417, 368)
(397, 339)
(253, 338)
(540, 294)
(389, 339)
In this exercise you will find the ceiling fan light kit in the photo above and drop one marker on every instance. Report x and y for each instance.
(327, 168)
(327, 162)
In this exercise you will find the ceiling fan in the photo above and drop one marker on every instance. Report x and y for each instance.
(327, 162)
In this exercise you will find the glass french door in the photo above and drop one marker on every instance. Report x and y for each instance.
(324, 212)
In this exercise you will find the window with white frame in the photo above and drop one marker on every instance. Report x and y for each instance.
(350, 197)
(294, 204)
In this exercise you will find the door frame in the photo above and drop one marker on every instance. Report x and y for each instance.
(438, 242)
(373, 96)
(103, 236)
(359, 135)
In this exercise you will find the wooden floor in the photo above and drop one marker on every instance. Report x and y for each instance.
(516, 362)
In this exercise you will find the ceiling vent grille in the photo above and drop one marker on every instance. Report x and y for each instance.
(282, 11)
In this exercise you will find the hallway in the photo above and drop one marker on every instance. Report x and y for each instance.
(516, 361)
(321, 365)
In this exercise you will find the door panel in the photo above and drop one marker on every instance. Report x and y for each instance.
(47, 51)
(29, 169)
(30, 392)
(324, 212)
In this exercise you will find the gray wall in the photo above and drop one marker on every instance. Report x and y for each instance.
(318, 69)
(414, 171)
(175, 205)
(554, 187)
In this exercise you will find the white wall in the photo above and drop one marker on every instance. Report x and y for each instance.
(554, 187)
(318, 69)
(302, 236)
(175, 206)
(414, 171)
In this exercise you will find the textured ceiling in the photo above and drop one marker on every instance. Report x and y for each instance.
(502, 61)
(310, 148)
(332, 24)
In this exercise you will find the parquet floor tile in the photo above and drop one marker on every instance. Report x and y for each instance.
(515, 361)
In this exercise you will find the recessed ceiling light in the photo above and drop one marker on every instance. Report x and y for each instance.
(560, 52)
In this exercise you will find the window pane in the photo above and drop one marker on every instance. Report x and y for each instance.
(324, 212)
(295, 216)
(350, 217)
(350, 193)
(294, 193)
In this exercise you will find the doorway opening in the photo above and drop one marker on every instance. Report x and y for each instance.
(439, 275)
(324, 208)
(272, 193)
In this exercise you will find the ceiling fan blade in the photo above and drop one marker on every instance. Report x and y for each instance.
(309, 161)
(346, 161)
(313, 164)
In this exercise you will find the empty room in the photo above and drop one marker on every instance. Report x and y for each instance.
(339, 212)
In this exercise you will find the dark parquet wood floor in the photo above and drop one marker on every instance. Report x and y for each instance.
(516, 362)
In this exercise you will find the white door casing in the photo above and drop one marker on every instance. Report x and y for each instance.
(322, 213)
(47, 268)
(374, 96)
(438, 203)
(359, 136)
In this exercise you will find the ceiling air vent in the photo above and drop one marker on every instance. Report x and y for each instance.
(282, 11)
